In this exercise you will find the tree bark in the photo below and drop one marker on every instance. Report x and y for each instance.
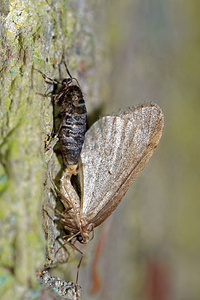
(35, 34)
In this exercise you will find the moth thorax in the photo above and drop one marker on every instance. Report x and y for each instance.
(83, 223)
(85, 233)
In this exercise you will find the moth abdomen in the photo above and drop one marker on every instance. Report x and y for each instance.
(73, 124)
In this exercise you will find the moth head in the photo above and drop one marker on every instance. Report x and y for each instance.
(67, 81)
(84, 236)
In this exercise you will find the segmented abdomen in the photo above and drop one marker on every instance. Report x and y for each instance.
(73, 124)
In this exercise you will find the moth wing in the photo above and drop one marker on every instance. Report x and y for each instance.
(115, 150)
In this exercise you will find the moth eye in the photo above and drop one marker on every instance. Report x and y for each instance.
(79, 238)
(66, 81)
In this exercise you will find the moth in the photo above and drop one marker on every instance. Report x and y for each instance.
(72, 129)
(115, 150)
(73, 113)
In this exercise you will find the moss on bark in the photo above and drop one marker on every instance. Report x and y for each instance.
(34, 33)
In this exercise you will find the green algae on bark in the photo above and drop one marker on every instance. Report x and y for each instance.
(33, 33)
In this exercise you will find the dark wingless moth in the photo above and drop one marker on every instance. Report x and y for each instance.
(109, 156)
(116, 148)
(73, 112)
(72, 129)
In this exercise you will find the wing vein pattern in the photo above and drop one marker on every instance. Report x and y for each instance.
(115, 150)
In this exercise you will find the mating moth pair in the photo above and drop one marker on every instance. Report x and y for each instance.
(107, 158)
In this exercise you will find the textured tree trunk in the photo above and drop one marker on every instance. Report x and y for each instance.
(39, 34)
(152, 249)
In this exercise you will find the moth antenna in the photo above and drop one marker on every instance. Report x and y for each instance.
(77, 82)
(92, 234)
(67, 70)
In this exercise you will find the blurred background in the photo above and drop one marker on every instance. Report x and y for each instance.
(152, 248)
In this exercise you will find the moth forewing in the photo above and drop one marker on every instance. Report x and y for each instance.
(119, 194)
(115, 150)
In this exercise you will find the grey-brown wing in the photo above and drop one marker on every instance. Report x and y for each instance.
(115, 150)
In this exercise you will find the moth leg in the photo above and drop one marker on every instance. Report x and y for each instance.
(66, 210)
(44, 210)
(52, 143)
(46, 139)
(77, 274)
(55, 138)
(68, 237)
(54, 135)
(44, 95)
(59, 128)
(54, 185)
(57, 211)
(62, 247)
(51, 81)
(78, 266)
(58, 191)
(51, 179)
(68, 242)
